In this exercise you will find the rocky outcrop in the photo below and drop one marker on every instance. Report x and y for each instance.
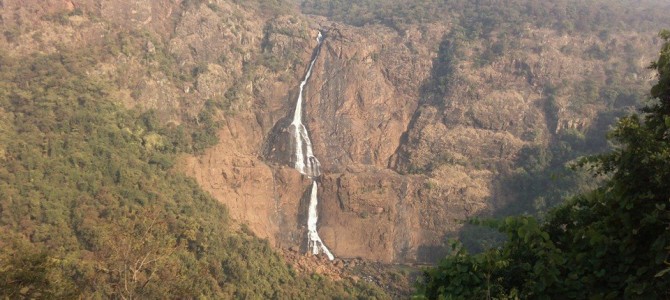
(356, 113)
(402, 163)
(400, 169)
(393, 217)
(364, 93)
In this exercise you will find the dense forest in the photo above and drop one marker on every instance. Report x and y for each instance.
(610, 243)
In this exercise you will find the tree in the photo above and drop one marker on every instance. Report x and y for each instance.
(135, 255)
(30, 272)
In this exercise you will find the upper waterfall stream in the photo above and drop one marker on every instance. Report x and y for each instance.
(306, 163)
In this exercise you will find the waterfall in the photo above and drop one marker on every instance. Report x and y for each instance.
(306, 163)
(314, 241)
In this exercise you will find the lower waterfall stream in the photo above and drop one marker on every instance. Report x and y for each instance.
(307, 164)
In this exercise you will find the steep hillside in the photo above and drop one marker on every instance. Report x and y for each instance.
(421, 124)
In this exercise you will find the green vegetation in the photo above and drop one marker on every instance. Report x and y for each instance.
(90, 207)
(610, 243)
(481, 17)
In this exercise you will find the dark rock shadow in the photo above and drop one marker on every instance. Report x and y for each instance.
(278, 145)
(430, 254)
(477, 238)
(432, 93)
(303, 214)
(396, 161)
(538, 190)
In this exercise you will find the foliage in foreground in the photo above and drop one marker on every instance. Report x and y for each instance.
(90, 206)
(611, 243)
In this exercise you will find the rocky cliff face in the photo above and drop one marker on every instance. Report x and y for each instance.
(401, 167)
(406, 149)
(359, 102)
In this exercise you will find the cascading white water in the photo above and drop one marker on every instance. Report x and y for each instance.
(307, 164)
(314, 241)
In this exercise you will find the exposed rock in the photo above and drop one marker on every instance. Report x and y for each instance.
(368, 121)
(401, 164)
(363, 94)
